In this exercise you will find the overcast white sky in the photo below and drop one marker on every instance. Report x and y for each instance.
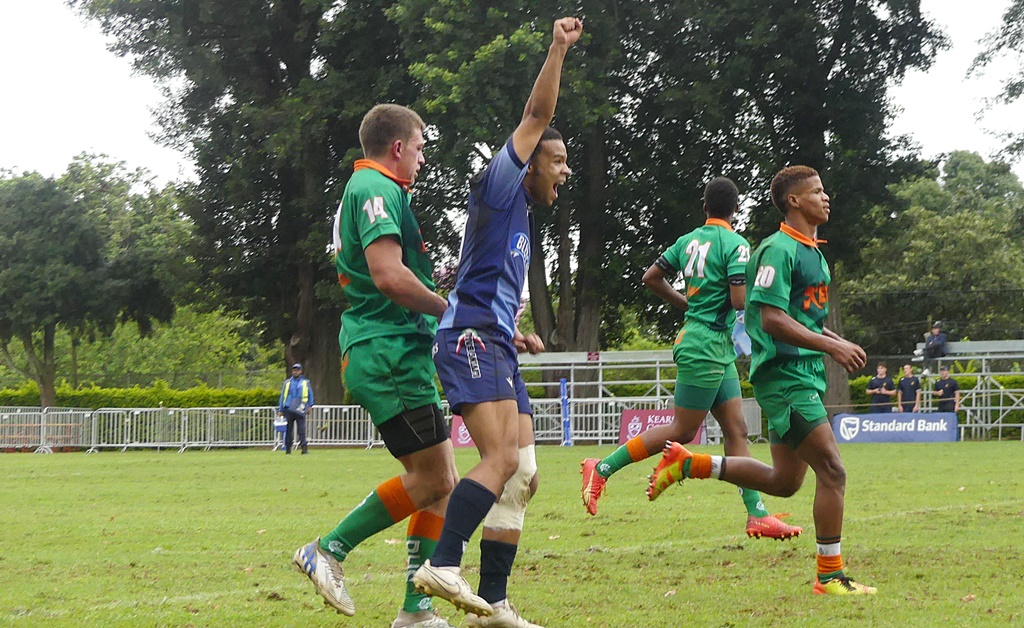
(64, 93)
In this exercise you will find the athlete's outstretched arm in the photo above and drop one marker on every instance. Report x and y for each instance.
(540, 108)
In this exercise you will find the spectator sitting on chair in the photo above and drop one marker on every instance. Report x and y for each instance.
(909, 391)
(295, 402)
(935, 343)
(882, 390)
(947, 390)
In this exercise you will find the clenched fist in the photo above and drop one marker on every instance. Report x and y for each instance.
(567, 31)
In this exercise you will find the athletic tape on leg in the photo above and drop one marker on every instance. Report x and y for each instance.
(510, 509)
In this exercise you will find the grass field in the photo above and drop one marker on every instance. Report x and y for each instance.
(206, 538)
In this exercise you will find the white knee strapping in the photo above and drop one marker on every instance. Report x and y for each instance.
(510, 509)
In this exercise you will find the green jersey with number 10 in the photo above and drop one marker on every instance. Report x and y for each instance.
(707, 257)
(789, 272)
(375, 204)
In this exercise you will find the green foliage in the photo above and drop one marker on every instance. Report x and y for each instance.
(944, 251)
(98, 246)
(155, 396)
(196, 343)
(51, 259)
(1007, 40)
(133, 546)
(267, 98)
(657, 98)
(52, 272)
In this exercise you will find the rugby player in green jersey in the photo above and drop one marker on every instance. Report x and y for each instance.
(712, 259)
(386, 338)
(786, 308)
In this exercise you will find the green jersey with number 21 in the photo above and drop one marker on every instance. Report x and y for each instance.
(707, 257)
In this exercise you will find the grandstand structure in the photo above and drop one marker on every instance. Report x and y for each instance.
(599, 387)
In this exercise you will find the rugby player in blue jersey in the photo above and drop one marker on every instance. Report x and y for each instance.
(476, 349)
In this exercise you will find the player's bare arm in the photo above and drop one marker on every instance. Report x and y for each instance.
(738, 296)
(834, 336)
(783, 327)
(656, 281)
(540, 107)
(397, 282)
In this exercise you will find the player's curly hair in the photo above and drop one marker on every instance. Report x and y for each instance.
(784, 181)
(383, 124)
(721, 197)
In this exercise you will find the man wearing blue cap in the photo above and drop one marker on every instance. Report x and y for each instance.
(295, 402)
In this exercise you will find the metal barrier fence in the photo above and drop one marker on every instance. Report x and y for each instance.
(985, 413)
(594, 421)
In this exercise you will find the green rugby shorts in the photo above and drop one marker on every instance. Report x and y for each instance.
(705, 361)
(388, 375)
(790, 394)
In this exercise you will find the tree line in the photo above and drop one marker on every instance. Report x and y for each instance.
(266, 98)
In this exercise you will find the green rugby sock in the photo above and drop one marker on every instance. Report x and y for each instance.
(616, 460)
(752, 500)
(420, 549)
(365, 520)
(381, 509)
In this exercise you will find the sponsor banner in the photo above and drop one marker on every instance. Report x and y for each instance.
(896, 427)
(636, 422)
(460, 433)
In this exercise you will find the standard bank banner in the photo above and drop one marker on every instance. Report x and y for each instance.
(896, 427)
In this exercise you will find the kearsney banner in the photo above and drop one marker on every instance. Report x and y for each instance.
(636, 422)
(896, 427)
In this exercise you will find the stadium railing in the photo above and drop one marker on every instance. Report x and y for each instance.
(44, 431)
(599, 386)
(985, 357)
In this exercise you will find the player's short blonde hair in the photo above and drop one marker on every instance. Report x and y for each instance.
(384, 124)
(785, 180)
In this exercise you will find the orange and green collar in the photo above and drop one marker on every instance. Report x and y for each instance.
(363, 164)
(718, 222)
(799, 237)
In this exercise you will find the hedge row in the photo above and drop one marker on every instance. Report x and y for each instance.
(155, 396)
(160, 394)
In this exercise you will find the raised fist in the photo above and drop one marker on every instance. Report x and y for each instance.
(567, 31)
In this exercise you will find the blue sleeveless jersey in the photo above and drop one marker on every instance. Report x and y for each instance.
(496, 249)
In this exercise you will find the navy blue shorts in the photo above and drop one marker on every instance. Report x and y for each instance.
(476, 367)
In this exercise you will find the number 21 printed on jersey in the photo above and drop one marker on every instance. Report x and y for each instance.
(698, 257)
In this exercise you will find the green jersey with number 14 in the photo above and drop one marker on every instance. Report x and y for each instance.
(376, 204)
(707, 257)
(789, 272)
